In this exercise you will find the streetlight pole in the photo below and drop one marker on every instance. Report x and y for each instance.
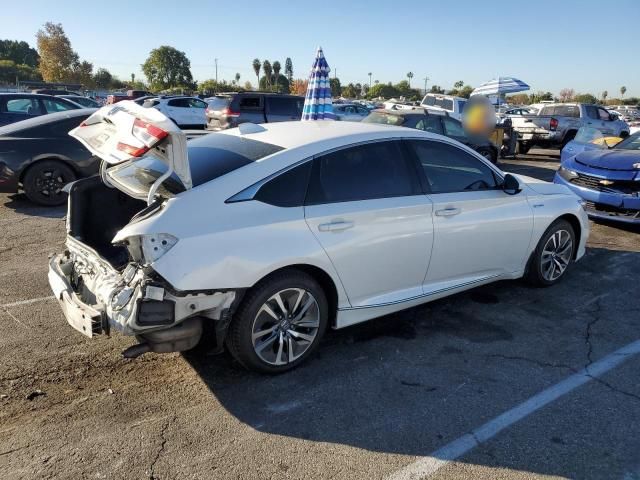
(216, 61)
(370, 80)
(426, 79)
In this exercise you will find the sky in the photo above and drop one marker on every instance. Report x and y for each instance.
(585, 45)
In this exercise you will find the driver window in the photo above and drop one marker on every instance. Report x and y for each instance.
(451, 169)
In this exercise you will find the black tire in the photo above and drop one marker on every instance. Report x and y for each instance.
(624, 134)
(489, 154)
(44, 181)
(523, 148)
(536, 271)
(239, 336)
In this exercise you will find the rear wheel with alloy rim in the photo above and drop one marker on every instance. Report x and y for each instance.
(279, 323)
(44, 181)
(553, 254)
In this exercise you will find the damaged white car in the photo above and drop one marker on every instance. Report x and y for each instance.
(270, 234)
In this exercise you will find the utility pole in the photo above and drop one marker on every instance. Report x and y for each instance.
(370, 79)
(426, 79)
(216, 61)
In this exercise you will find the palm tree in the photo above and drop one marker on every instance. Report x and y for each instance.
(369, 78)
(268, 70)
(410, 76)
(276, 73)
(623, 90)
(288, 69)
(256, 68)
(237, 77)
(605, 94)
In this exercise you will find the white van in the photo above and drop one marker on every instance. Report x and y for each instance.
(448, 103)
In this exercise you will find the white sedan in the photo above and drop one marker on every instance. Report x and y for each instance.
(269, 234)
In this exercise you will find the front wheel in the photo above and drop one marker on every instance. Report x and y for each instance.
(523, 148)
(552, 256)
(279, 323)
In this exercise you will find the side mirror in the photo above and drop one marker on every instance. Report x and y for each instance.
(511, 185)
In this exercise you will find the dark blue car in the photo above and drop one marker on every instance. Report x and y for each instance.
(608, 179)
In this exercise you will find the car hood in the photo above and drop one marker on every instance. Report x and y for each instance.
(541, 187)
(616, 159)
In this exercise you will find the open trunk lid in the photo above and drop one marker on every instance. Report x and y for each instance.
(124, 131)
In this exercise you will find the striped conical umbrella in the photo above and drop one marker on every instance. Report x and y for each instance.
(500, 86)
(317, 103)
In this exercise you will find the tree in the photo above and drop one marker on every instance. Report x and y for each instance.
(299, 87)
(288, 69)
(256, 67)
(268, 70)
(518, 99)
(210, 86)
(167, 67)
(279, 83)
(248, 86)
(623, 90)
(10, 72)
(336, 89)
(276, 69)
(585, 98)
(458, 85)
(82, 72)
(566, 94)
(540, 96)
(410, 76)
(237, 77)
(465, 91)
(350, 91)
(57, 58)
(436, 89)
(18, 52)
(605, 94)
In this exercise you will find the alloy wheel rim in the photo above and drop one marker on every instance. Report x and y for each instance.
(49, 183)
(556, 255)
(285, 326)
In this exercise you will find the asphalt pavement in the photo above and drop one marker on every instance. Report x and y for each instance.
(500, 382)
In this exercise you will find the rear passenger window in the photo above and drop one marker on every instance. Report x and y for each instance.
(250, 103)
(592, 112)
(374, 170)
(281, 105)
(451, 169)
(430, 123)
(179, 102)
(287, 189)
(28, 106)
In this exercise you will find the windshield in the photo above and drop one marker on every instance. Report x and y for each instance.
(210, 156)
(218, 103)
(384, 118)
(632, 142)
(588, 135)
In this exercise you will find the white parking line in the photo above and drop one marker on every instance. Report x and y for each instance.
(27, 302)
(428, 465)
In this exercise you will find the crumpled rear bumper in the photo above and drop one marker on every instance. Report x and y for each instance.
(96, 298)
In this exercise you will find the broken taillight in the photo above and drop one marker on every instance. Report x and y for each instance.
(131, 150)
(148, 133)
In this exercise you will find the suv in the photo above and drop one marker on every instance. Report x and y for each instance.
(228, 111)
(435, 121)
(448, 103)
(183, 111)
(15, 107)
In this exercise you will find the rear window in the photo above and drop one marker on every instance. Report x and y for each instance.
(445, 103)
(384, 118)
(250, 102)
(210, 157)
(562, 111)
(219, 103)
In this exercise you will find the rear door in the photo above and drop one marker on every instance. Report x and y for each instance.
(179, 110)
(479, 231)
(197, 112)
(281, 109)
(365, 206)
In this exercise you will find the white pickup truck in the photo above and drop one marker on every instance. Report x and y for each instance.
(556, 124)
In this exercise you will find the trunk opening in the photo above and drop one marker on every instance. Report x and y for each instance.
(97, 213)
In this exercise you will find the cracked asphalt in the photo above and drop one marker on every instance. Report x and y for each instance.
(377, 396)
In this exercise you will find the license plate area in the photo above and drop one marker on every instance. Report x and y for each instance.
(83, 318)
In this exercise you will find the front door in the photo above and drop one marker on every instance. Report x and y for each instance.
(365, 207)
(480, 231)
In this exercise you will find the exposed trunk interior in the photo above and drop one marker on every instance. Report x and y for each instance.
(97, 213)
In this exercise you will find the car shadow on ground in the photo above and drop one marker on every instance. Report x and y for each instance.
(21, 204)
(410, 382)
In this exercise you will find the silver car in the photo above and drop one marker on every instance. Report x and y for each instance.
(350, 112)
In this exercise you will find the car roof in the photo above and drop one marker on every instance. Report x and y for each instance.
(321, 135)
(46, 119)
(28, 94)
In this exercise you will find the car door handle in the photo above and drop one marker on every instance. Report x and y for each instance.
(448, 212)
(335, 226)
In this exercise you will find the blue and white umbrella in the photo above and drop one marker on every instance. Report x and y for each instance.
(500, 86)
(317, 102)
